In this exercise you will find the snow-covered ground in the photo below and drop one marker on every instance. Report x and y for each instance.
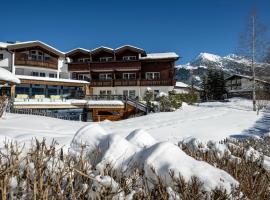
(147, 141)
(207, 121)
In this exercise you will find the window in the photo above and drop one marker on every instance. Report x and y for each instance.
(47, 58)
(42, 74)
(52, 75)
(129, 76)
(105, 92)
(152, 75)
(105, 59)
(32, 52)
(105, 76)
(34, 73)
(33, 57)
(1, 56)
(80, 77)
(129, 93)
(132, 93)
(129, 58)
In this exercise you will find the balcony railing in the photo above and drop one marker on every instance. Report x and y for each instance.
(167, 82)
(102, 83)
(120, 82)
(22, 59)
(113, 65)
(123, 82)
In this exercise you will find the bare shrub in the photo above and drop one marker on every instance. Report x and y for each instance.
(45, 171)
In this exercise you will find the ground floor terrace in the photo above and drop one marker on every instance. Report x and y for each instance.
(40, 87)
(91, 108)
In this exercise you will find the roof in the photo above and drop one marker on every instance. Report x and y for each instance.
(73, 51)
(7, 76)
(102, 48)
(169, 55)
(182, 85)
(4, 44)
(247, 77)
(133, 48)
(50, 79)
(26, 44)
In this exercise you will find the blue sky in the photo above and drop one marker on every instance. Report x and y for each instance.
(186, 27)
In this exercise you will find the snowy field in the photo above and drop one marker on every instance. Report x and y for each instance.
(147, 141)
(207, 121)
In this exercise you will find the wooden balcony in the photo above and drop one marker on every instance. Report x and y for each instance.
(21, 59)
(101, 83)
(120, 82)
(103, 66)
(168, 82)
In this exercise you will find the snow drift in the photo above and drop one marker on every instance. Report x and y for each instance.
(156, 159)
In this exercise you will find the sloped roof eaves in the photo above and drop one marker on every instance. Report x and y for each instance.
(73, 51)
(35, 43)
(119, 49)
(102, 48)
(247, 77)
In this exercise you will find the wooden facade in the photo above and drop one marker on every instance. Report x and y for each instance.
(23, 58)
(91, 65)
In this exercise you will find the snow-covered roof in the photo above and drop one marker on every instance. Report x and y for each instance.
(247, 77)
(181, 84)
(35, 43)
(4, 44)
(51, 79)
(129, 47)
(7, 76)
(169, 55)
(77, 50)
(102, 48)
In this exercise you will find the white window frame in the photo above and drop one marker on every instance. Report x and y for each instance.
(128, 76)
(129, 93)
(107, 76)
(129, 57)
(152, 75)
(105, 59)
(35, 73)
(106, 92)
(42, 74)
(52, 75)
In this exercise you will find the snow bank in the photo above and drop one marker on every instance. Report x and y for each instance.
(141, 150)
(6, 75)
(141, 138)
(166, 157)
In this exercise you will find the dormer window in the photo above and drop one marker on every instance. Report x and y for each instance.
(129, 58)
(105, 59)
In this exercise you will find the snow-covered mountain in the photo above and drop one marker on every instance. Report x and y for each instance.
(230, 64)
